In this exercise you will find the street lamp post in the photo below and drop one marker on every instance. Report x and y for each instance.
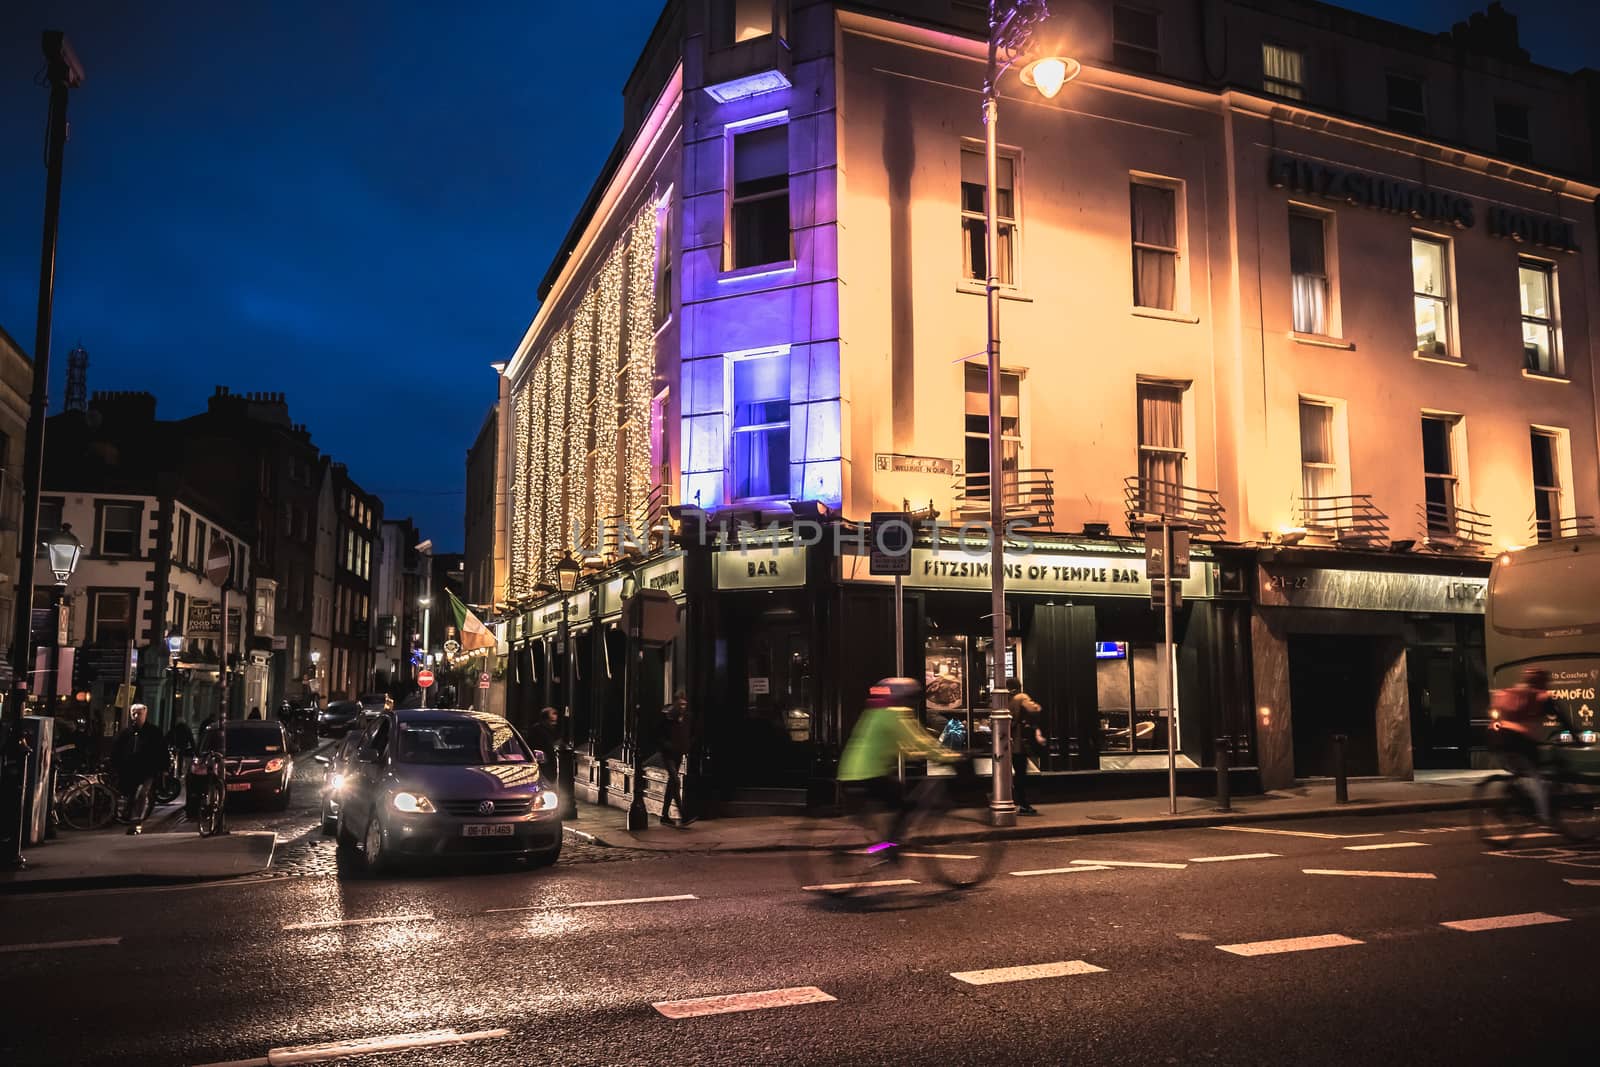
(1011, 28)
(567, 573)
(426, 604)
(63, 549)
(174, 647)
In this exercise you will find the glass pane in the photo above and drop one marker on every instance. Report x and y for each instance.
(1436, 458)
(1431, 332)
(1133, 26)
(1544, 461)
(1536, 348)
(1283, 66)
(760, 153)
(974, 179)
(1160, 415)
(1306, 238)
(1155, 219)
(1510, 120)
(1427, 267)
(1115, 701)
(1316, 432)
(972, 197)
(761, 462)
(1003, 253)
(1155, 279)
(972, 235)
(1310, 293)
(1405, 93)
(1535, 285)
(1441, 495)
(761, 231)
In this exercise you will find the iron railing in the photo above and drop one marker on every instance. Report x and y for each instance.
(1451, 526)
(647, 521)
(1151, 502)
(1027, 497)
(1351, 519)
(1556, 529)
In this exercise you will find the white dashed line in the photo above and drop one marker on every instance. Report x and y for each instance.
(835, 887)
(1368, 874)
(1387, 844)
(1131, 863)
(332, 923)
(1236, 856)
(1289, 944)
(51, 946)
(934, 856)
(1026, 973)
(593, 903)
(1057, 870)
(1582, 881)
(1292, 833)
(361, 1046)
(1504, 922)
(723, 1005)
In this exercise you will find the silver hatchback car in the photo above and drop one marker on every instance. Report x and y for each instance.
(428, 782)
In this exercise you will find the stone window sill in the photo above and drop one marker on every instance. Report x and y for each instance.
(1007, 292)
(1321, 340)
(1165, 315)
(1538, 376)
(1443, 361)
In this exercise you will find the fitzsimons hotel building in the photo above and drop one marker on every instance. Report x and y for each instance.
(1321, 286)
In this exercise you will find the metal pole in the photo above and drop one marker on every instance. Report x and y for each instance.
(222, 718)
(1002, 809)
(427, 612)
(566, 770)
(1168, 585)
(899, 628)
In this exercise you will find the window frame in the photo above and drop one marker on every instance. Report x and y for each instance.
(1185, 430)
(1330, 270)
(1556, 495)
(1421, 126)
(1455, 478)
(92, 630)
(721, 36)
(1339, 441)
(45, 530)
(731, 133)
(1121, 47)
(1446, 349)
(1017, 438)
(1552, 323)
(1006, 224)
(1179, 251)
(1520, 145)
(102, 510)
(735, 430)
(1278, 87)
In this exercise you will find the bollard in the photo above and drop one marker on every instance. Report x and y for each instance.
(1224, 787)
(567, 781)
(1341, 785)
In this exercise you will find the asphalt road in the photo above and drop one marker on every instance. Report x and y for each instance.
(1150, 964)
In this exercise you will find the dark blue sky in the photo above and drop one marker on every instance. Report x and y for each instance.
(351, 203)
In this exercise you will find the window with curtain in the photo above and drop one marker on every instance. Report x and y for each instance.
(1546, 484)
(974, 180)
(1540, 352)
(977, 425)
(1155, 245)
(759, 215)
(1161, 454)
(1283, 71)
(1308, 272)
(761, 427)
(1430, 292)
(1439, 472)
(1319, 464)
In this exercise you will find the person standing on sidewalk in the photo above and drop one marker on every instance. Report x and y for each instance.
(1026, 739)
(137, 757)
(672, 742)
(545, 736)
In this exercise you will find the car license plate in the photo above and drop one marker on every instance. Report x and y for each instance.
(488, 829)
(238, 787)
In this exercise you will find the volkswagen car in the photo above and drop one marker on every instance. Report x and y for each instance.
(337, 718)
(429, 783)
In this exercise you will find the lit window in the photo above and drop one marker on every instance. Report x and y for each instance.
(759, 215)
(733, 21)
(1283, 71)
(977, 425)
(1430, 294)
(1319, 466)
(1155, 245)
(119, 530)
(1308, 272)
(974, 181)
(761, 427)
(1439, 470)
(1511, 137)
(1546, 484)
(1541, 349)
(112, 625)
(1408, 109)
(1135, 39)
(1161, 451)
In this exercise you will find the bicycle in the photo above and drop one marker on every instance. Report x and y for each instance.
(211, 806)
(86, 802)
(952, 847)
(1504, 808)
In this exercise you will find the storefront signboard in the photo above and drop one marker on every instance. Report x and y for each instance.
(761, 567)
(1043, 572)
(665, 575)
(204, 619)
(547, 616)
(900, 463)
(1359, 590)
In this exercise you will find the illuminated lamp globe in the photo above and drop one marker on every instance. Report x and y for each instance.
(1049, 73)
(63, 548)
(567, 573)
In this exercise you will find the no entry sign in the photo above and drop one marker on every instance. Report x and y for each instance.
(219, 561)
(425, 678)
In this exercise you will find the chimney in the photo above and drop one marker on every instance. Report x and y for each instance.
(124, 406)
(1491, 33)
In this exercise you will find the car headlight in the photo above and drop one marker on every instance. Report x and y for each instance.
(1588, 737)
(274, 765)
(415, 803)
(546, 801)
(336, 782)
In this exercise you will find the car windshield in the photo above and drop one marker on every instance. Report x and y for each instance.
(344, 707)
(244, 742)
(463, 741)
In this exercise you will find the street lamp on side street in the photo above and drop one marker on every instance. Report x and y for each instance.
(568, 571)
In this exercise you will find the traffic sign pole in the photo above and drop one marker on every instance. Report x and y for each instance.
(1170, 589)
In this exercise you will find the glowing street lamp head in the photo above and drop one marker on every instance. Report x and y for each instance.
(1049, 73)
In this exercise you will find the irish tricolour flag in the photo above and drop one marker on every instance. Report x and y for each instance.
(474, 634)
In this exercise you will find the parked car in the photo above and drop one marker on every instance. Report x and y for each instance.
(335, 769)
(257, 762)
(337, 718)
(428, 782)
(376, 701)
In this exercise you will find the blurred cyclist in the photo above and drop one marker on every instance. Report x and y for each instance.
(1518, 734)
(887, 728)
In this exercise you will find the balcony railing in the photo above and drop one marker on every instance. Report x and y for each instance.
(1449, 527)
(1352, 520)
(1566, 526)
(1027, 498)
(647, 522)
(1151, 503)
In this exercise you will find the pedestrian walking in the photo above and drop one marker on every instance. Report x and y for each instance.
(1026, 739)
(672, 743)
(137, 757)
(545, 736)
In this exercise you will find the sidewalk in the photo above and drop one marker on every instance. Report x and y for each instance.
(1432, 791)
(106, 858)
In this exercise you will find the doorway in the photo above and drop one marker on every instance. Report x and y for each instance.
(1334, 682)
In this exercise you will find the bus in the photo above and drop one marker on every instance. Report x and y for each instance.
(1543, 610)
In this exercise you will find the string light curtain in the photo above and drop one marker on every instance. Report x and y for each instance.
(579, 532)
(522, 429)
(639, 374)
(556, 525)
(539, 480)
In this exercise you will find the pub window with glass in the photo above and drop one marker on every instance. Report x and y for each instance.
(758, 215)
(1541, 349)
(1161, 450)
(1154, 210)
(1440, 473)
(1130, 686)
(760, 387)
(1308, 272)
(1548, 446)
(974, 182)
(1283, 71)
(1319, 464)
(1430, 294)
(976, 429)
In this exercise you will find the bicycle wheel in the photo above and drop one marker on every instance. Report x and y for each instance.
(211, 807)
(956, 847)
(1499, 810)
(840, 858)
(1573, 811)
(87, 805)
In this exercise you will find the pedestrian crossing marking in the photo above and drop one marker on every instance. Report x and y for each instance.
(1292, 833)
(1504, 922)
(1026, 972)
(1289, 944)
(1368, 874)
(735, 1002)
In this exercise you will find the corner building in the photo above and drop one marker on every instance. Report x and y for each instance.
(1322, 293)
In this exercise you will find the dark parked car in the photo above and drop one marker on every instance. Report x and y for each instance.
(430, 782)
(376, 701)
(258, 763)
(337, 718)
(336, 769)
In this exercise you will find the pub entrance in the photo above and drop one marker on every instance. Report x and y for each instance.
(1334, 683)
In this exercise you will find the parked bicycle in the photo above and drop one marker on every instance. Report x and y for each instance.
(85, 801)
(211, 814)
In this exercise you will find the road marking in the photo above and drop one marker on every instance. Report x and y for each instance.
(1132, 863)
(1368, 874)
(1057, 870)
(1026, 973)
(1582, 881)
(1387, 844)
(723, 1005)
(1504, 922)
(594, 903)
(834, 887)
(361, 1046)
(1528, 836)
(1289, 944)
(1236, 856)
(331, 923)
(935, 856)
(1292, 833)
(50, 946)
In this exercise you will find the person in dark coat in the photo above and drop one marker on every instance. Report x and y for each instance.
(672, 742)
(545, 736)
(1026, 739)
(137, 757)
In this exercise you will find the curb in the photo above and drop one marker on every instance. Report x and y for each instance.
(128, 881)
(1026, 833)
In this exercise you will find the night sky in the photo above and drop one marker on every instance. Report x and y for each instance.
(351, 203)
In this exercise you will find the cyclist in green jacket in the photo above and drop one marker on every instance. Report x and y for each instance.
(887, 727)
